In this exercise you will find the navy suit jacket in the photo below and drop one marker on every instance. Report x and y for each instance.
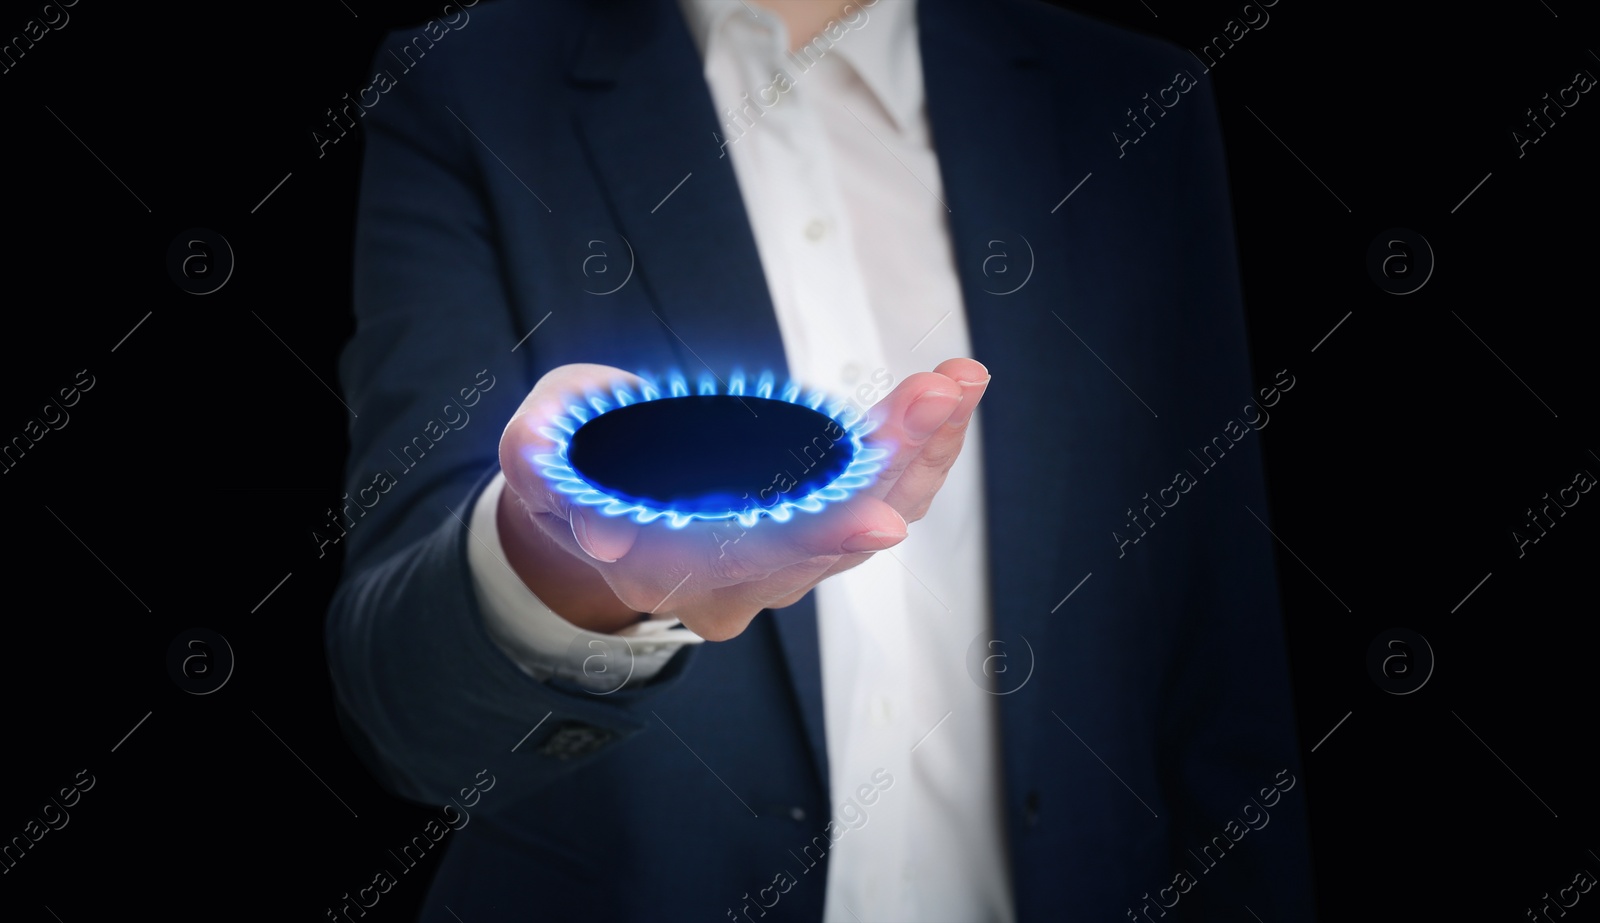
(1145, 745)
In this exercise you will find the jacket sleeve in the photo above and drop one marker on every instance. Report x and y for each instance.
(425, 695)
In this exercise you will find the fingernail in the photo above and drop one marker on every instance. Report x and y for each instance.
(971, 392)
(580, 532)
(871, 541)
(929, 412)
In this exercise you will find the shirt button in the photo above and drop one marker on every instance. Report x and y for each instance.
(879, 711)
(816, 229)
(851, 373)
(797, 813)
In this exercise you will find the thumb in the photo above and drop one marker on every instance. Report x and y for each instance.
(604, 538)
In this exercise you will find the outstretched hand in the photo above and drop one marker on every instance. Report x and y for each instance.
(600, 572)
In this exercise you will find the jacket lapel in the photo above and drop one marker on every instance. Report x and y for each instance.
(994, 126)
(647, 120)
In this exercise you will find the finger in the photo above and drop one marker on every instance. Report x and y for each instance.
(604, 538)
(859, 524)
(723, 553)
(798, 589)
(973, 377)
(779, 590)
(905, 420)
(913, 491)
(785, 587)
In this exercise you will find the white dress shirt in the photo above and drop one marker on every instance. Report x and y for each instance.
(833, 155)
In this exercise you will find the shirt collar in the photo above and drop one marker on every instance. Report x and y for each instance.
(881, 46)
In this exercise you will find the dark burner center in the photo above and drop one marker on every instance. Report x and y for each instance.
(710, 453)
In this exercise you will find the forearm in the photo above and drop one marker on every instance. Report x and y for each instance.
(435, 699)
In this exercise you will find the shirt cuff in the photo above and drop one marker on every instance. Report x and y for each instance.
(544, 644)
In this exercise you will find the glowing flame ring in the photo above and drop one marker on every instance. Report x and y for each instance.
(558, 471)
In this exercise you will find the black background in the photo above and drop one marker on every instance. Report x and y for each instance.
(188, 481)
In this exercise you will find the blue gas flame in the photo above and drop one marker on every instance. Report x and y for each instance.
(556, 468)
